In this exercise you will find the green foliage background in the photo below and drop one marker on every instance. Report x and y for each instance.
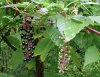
(84, 46)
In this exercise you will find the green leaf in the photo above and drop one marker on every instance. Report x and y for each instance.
(91, 55)
(70, 26)
(54, 35)
(95, 18)
(16, 59)
(43, 47)
(14, 41)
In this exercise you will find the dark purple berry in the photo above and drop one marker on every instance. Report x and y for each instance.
(21, 29)
(31, 17)
(28, 31)
(32, 56)
(31, 34)
(25, 59)
(29, 59)
(20, 15)
(29, 38)
(22, 35)
(42, 28)
(23, 43)
(26, 37)
(28, 21)
(32, 53)
(31, 27)
(32, 47)
(33, 41)
(26, 43)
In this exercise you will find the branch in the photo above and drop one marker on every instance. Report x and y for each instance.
(93, 30)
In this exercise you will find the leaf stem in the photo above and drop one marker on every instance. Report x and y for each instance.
(93, 30)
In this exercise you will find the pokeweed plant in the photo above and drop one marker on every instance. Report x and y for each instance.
(38, 27)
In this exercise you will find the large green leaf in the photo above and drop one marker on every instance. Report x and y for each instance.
(70, 26)
(16, 59)
(95, 18)
(54, 35)
(43, 47)
(91, 55)
(14, 41)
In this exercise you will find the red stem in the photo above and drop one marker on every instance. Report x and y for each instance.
(93, 30)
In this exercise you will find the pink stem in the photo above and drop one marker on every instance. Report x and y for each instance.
(93, 30)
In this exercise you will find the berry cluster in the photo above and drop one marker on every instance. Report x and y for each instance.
(26, 36)
(63, 59)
